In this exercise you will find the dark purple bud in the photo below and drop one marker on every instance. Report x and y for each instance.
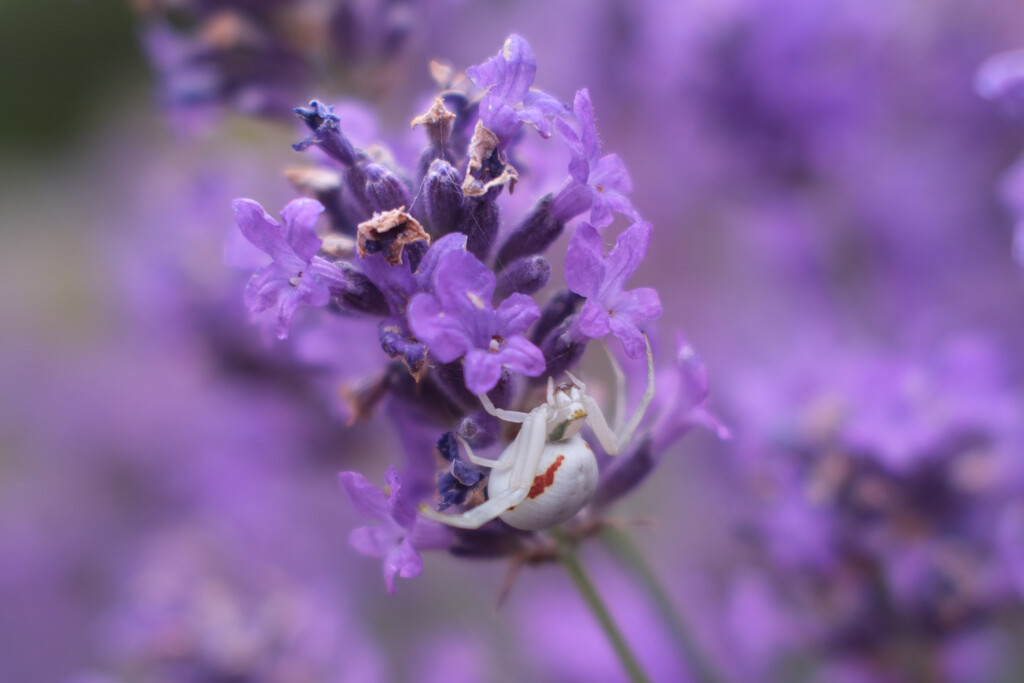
(479, 223)
(442, 197)
(561, 306)
(561, 351)
(624, 474)
(479, 429)
(326, 133)
(384, 190)
(456, 485)
(324, 185)
(397, 343)
(451, 380)
(423, 401)
(357, 293)
(533, 236)
(525, 276)
(504, 392)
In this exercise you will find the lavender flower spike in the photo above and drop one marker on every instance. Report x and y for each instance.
(510, 101)
(596, 182)
(609, 308)
(295, 275)
(458, 319)
(402, 533)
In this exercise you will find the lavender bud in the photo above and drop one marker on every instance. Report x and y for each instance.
(423, 401)
(479, 429)
(358, 293)
(526, 276)
(534, 234)
(561, 306)
(326, 133)
(324, 185)
(561, 351)
(384, 190)
(442, 195)
(480, 218)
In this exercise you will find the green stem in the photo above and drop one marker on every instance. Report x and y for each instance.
(571, 561)
(625, 550)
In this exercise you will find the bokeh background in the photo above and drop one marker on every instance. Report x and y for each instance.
(834, 210)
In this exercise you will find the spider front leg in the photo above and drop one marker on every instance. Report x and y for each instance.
(523, 456)
(483, 462)
(613, 443)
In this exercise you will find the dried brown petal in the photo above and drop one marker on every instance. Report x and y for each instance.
(438, 120)
(486, 167)
(388, 232)
(312, 180)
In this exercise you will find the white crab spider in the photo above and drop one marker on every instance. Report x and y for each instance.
(548, 473)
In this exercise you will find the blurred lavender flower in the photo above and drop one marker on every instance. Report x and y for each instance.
(295, 275)
(402, 535)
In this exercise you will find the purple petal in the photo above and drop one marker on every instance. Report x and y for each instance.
(401, 511)
(638, 305)
(584, 261)
(260, 229)
(593, 320)
(403, 560)
(516, 314)
(510, 73)
(300, 217)
(443, 334)
(629, 334)
(625, 257)
(287, 303)
(452, 242)
(483, 370)
(520, 355)
(610, 174)
(374, 541)
(584, 110)
(266, 286)
(368, 500)
(465, 288)
(427, 535)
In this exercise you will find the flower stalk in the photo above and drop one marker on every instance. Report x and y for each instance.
(569, 558)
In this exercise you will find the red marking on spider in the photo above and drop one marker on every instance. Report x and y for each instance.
(542, 481)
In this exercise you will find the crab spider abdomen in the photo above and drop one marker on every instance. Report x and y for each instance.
(565, 480)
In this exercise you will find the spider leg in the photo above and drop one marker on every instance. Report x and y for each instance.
(528, 449)
(612, 442)
(619, 417)
(481, 514)
(483, 462)
(500, 413)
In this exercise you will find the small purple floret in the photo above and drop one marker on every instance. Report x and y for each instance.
(458, 320)
(609, 308)
(596, 182)
(295, 275)
(510, 101)
(402, 532)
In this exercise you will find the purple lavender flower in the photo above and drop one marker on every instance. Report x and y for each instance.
(596, 182)
(401, 533)
(458, 320)
(510, 101)
(609, 308)
(295, 275)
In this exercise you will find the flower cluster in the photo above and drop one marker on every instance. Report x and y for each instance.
(469, 312)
